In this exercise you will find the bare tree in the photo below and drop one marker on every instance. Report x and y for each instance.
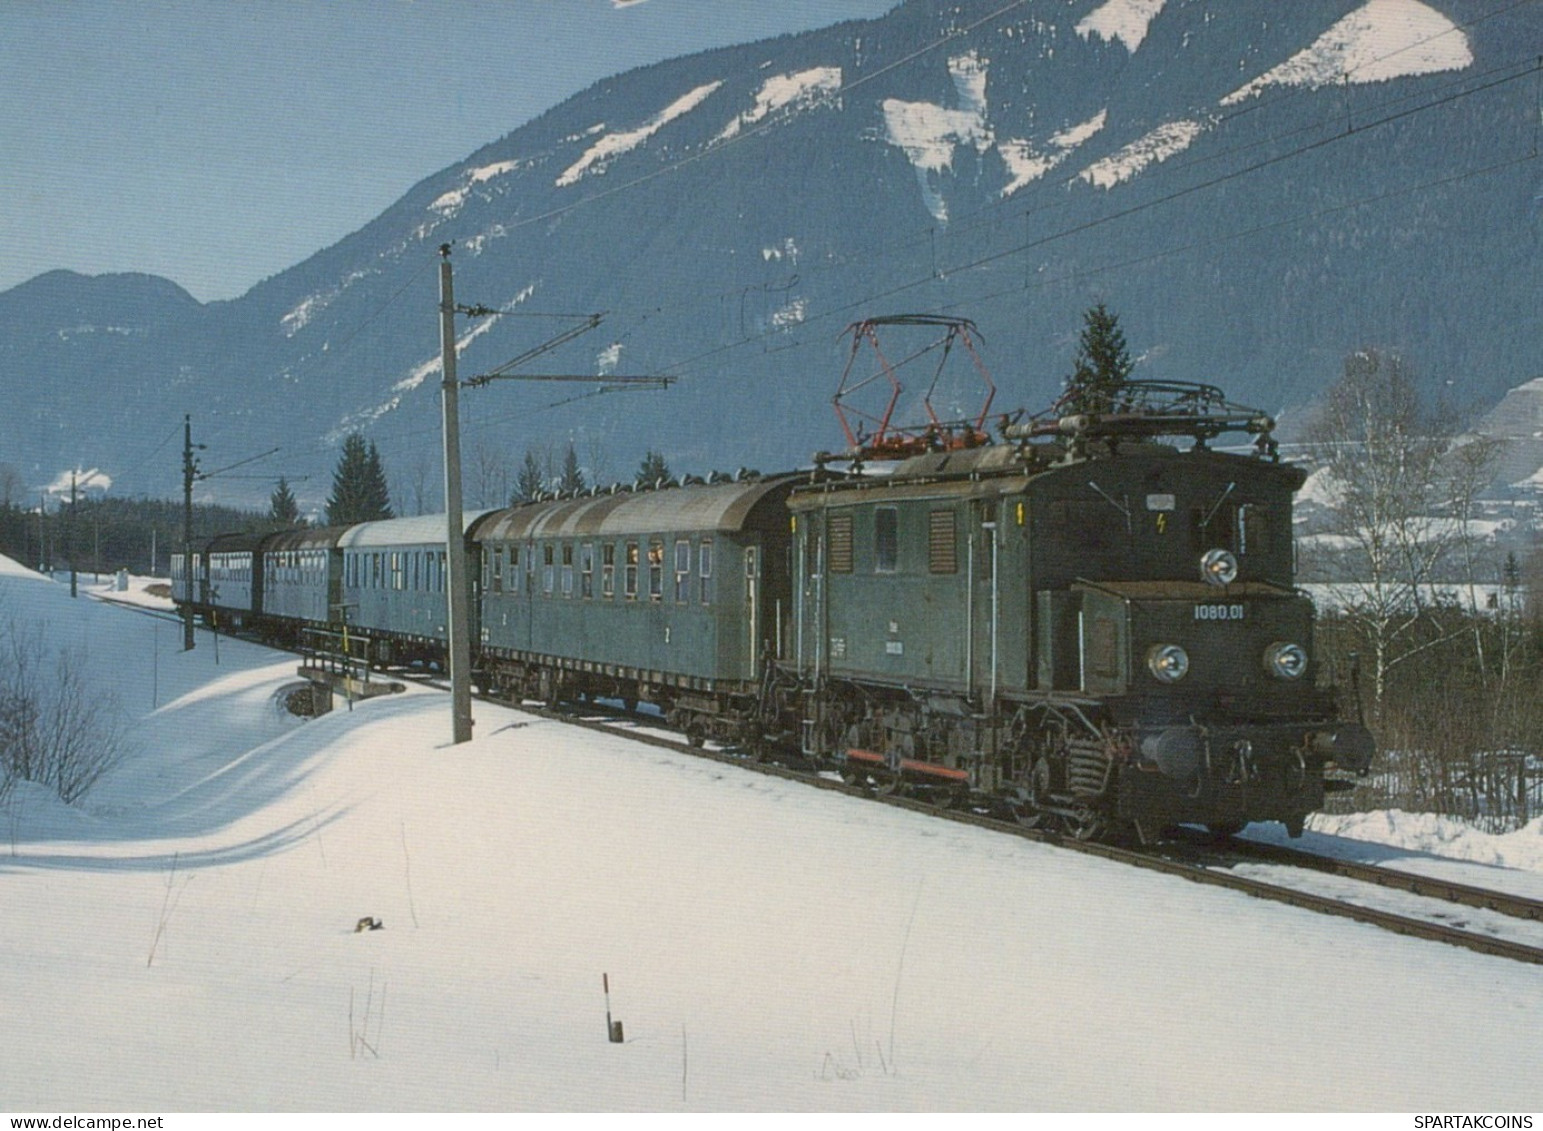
(490, 475)
(56, 728)
(12, 489)
(1382, 451)
(415, 487)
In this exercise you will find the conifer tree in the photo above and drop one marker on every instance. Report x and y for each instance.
(529, 483)
(1102, 366)
(573, 476)
(359, 491)
(283, 510)
(652, 469)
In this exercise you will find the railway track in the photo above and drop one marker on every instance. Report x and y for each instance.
(1214, 863)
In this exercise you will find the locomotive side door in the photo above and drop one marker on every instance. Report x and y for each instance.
(753, 608)
(984, 598)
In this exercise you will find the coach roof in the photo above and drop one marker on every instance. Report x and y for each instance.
(424, 530)
(697, 507)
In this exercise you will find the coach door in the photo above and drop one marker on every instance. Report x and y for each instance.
(753, 608)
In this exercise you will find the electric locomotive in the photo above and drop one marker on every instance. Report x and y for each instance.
(1096, 627)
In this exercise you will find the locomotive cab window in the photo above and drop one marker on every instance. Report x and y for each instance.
(886, 540)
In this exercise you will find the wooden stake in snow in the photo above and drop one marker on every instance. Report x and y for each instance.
(612, 1028)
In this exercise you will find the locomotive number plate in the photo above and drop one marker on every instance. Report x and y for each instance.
(1218, 612)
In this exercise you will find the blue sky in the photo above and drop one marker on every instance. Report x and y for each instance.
(217, 143)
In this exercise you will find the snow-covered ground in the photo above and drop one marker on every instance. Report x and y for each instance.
(185, 940)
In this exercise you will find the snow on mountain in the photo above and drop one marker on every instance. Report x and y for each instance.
(929, 134)
(1385, 39)
(1167, 140)
(1043, 124)
(1026, 165)
(448, 204)
(1125, 20)
(788, 94)
(612, 145)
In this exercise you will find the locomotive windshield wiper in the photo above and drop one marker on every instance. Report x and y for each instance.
(1113, 502)
(1216, 506)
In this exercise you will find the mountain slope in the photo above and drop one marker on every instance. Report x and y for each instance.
(1257, 189)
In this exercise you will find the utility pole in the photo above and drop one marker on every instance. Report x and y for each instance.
(455, 533)
(189, 469)
(74, 535)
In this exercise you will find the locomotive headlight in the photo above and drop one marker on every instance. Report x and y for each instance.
(1285, 661)
(1168, 662)
(1219, 567)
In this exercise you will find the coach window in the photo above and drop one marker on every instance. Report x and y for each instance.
(498, 569)
(587, 570)
(655, 569)
(439, 570)
(548, 569)
(608, 570)
(886, 540)
(567, 569)
(374, 571)
(682, 572)
(630, 580)
(705, 569)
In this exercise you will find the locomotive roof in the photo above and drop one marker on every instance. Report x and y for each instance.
(697, 507)
(998, 468)
(425, 529)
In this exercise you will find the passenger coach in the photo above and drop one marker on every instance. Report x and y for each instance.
(675, 596)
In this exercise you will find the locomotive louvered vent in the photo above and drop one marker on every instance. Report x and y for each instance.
(942, 553)
(841, 543)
